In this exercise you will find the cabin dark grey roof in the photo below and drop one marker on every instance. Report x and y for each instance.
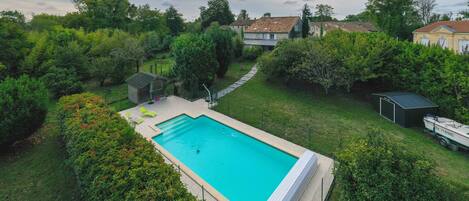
(141, 79)
(408, 100)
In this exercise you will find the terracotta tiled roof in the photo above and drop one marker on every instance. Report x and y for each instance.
(242, 23)
(273, 25)
(456, 26)
(347, 26)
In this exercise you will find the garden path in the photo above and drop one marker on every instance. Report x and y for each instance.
(238, 83)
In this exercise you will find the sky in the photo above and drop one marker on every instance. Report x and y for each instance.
(190, 8)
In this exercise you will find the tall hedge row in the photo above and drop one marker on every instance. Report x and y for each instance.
(110, 160)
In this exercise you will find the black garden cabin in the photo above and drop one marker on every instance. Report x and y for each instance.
(403, 108)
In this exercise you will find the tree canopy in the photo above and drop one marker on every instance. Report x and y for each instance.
(217, 11)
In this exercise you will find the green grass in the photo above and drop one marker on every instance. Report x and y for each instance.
(163, 62)
(324, 123)
(36, 168)
(236, 70)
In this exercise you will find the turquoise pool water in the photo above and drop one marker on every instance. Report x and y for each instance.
(238, 166)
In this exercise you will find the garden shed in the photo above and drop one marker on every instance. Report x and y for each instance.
(144, 87)
(403, 108)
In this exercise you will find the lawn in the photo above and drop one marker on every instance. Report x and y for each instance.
(163, 62)
(324, 123)
(36, 168)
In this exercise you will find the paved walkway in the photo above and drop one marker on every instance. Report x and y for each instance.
(238, 83)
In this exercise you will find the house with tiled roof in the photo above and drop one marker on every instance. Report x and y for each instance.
(453, 35)
(319, 29)
(267, 31)
(240, 25)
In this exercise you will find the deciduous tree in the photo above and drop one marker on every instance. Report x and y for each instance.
(195, 58)
(217, 11)
(174, 21)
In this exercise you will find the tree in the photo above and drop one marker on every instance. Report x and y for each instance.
(222, 39)
(24, 108)
(217, 11)
(195, 58)
(243, 15)
(377, 168)
(129, 55)
(152, 43)
(13, 45)
(174, 21)
(72, 57)
(13, 16)
(318, 66)
(238, 46)
(102, 68)
(425, 10)
(43, 22)
(105, 13)
(62, 82)
(144, 19)
(324, 12)
(397, 18)
(76, 20)
(360, 17)
(305, 16)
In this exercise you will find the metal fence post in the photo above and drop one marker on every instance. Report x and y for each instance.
(322, 188)
(203, 192)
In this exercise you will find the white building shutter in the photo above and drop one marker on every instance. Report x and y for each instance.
(464, 46)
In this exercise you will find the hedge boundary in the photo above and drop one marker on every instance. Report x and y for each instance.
(110, 160)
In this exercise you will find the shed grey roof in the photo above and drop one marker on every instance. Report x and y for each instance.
(142, 79)
(408, 100)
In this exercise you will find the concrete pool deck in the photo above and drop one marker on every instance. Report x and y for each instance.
(173, 106)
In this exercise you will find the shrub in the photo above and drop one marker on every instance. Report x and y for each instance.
(110, 160)
(376, 168)
(284, 58)
(195, 59)
(62, 82)
(24, 108)
(238, 46)
(252, 53)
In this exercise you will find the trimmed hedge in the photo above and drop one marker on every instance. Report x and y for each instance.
(110, 160)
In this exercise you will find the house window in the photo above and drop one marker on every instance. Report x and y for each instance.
(272, 36)
(442, 42)
(425, 41)
(464, 46)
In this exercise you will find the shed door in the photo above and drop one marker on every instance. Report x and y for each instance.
(387, 109)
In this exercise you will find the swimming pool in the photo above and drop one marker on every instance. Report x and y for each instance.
(238, 166)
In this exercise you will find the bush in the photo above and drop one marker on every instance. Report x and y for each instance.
(287, 55)
(195, 59)
(238, 46)
(24, 108)
(110, 160)
(252, 53)
(375, 168)
(62, 82)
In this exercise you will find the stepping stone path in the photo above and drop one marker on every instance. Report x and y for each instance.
(238, 83)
